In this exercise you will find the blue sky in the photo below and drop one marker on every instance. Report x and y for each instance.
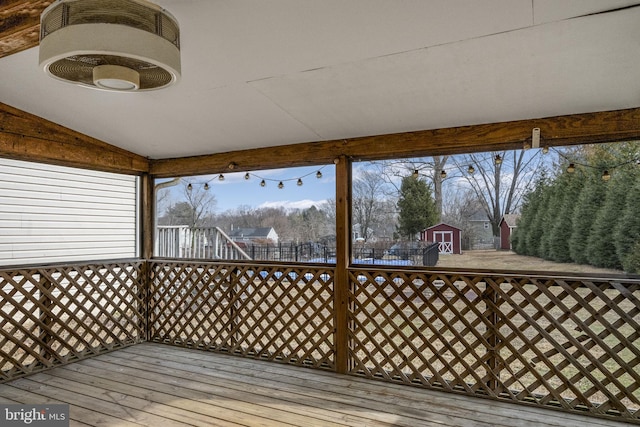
(236, 191)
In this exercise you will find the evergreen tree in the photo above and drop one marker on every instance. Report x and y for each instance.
(601, 248)
(529, 211)
(627, 232)
(631, 261)
(589, 202)
(570, 186)
(549, 217)
(538, 225)
(417, 207)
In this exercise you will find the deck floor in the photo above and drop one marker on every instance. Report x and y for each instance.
(159, 385)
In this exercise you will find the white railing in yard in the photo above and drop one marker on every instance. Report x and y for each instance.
(181, 241)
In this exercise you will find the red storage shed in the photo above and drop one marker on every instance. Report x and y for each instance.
(507, 225)
(448, 237)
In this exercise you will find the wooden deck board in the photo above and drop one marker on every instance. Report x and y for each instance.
(159, 385)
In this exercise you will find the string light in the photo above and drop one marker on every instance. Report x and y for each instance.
(606, 175)
(571, 168)
(263, 181)
(281, 182)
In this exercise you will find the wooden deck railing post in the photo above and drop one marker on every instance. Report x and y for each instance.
(144, 295)
(343, 257)
(234, 319)
(490, 298)
(46, 318)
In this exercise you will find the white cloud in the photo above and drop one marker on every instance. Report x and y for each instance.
(292, 205)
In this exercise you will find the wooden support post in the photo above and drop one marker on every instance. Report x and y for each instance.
(147, 215)
(144, 295)
(493, 366)
(146, 236)
(343, 259)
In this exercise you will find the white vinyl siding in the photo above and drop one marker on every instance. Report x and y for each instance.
(60, 214)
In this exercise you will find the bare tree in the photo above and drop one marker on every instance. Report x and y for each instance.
(368, 194)
(460, 205)
(498, 179)
(201, 201)
(163, 199)
(393, 171)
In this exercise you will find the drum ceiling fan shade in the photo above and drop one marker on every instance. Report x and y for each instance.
(118, 45)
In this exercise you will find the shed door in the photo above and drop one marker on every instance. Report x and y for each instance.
(445, 241)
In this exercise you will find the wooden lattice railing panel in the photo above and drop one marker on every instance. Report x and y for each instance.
(282, 313)
(56, 314)
(415, 328)
(572, 343)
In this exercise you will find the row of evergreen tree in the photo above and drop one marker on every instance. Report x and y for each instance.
(579, 217)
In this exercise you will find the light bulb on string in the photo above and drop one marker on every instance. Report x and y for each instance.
(571, 168)
(415, 174)
(545, 150)
(471, 170)
(220, 177)
(299, 181)
(318, 174)
(263, 183)
(498, 159)
(206, 185)
(247, 176)
(281, 185)
(443, 174)
(189, 187)
(606, 176)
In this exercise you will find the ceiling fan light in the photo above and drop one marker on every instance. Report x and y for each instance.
(117, 45)
(116, 77)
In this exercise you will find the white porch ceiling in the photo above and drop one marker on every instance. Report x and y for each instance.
(259, 73)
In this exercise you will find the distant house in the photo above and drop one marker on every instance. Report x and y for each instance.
(447, 236)
(254, 235)
(480, 233)
(507, 224)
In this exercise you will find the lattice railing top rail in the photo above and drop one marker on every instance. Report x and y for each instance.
(567, 342)
(54, 314)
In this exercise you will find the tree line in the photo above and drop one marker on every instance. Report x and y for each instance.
(580, 216)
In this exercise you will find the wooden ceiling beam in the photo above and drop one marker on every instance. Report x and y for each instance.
(20, 24)
(24, 136)
(588, 128)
